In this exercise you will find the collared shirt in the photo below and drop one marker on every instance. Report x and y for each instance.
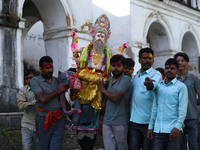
(170, 107)
(26, 102)
(116, 113)
(142, 99)
(192, 82)
(38, 84)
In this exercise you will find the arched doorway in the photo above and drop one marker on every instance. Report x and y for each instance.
(34, 46)
(190, 47)
(159, 41)
(54, 19)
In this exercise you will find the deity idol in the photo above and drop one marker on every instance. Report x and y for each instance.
(93, 62)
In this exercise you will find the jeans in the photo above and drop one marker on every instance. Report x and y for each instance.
(115, 137)
(162, 142)
(191, 129)
(138, 137)
(29, 139)
(53, 137)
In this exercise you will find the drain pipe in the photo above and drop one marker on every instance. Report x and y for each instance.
(12, 114)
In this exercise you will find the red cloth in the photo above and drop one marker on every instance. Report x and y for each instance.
(75, 82)
(48, 119)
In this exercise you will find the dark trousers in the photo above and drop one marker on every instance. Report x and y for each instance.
(199, 136)
(162, 142)
(191, 129)
(52, 138)
(137, 137)
(86, 143)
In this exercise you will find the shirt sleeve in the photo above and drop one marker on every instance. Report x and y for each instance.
(158, 78)
(196, 83)
(22, 102)
(35, 85)
(124, 84)
(153, 113)
(182, 108)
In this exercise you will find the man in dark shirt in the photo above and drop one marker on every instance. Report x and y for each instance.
(115, 106)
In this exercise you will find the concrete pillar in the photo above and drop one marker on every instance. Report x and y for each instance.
(10, 58)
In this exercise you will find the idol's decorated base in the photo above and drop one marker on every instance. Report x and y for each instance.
(84, 128)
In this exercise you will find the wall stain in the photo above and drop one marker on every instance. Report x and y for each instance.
(68, 20)
(49, 25)
(151, 15)
(87, 24)
(191, 67)
(139, 46)
(74, 20)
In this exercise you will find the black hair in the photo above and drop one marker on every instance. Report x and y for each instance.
(184, 55)
(129, 62)
(46, 59)
(116, 58)
(172, 61)
(145, 50)
(29, 71)
(72, 69)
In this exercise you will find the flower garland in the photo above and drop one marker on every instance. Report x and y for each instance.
(73, 96)
(103, 69)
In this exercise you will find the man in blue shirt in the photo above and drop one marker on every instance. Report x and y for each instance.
(142, 101)
(193, 85)
(169, 109)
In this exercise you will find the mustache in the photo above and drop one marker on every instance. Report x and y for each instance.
(169, 72)
(147, 63)
(99, 41)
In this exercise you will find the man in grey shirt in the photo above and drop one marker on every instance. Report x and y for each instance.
(49, 121)
(115, 106)
(193, 85)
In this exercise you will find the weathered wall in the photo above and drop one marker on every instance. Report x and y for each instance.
(8, 56)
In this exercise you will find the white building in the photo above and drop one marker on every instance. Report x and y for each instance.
(32, 29)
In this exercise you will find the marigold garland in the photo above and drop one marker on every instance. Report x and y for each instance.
(73, 96)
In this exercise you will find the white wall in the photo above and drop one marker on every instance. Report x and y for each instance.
(34, 46)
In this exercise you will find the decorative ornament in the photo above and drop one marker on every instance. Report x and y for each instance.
(96, 57)
(102, 24)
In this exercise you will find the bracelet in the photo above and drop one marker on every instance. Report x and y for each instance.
(75, 40)
(58, 91)
(100, 122)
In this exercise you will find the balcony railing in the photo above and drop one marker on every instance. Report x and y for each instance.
(195, 4)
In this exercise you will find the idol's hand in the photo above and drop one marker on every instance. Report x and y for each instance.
(73, 34)
(125, 45)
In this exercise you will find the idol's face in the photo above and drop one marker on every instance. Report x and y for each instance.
(100, 37)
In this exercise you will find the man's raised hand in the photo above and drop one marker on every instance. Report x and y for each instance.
(149, 83)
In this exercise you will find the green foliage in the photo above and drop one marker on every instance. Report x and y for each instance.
(11, 135)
